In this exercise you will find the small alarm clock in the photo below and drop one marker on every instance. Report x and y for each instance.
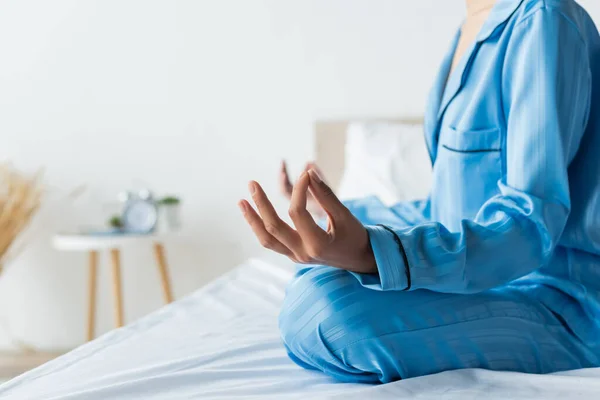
(140, 214)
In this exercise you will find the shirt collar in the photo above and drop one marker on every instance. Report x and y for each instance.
(502, 11)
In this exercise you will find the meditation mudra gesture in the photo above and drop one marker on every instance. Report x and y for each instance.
(345, 243)
(499, 267)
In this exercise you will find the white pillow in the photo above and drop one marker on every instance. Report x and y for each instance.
(385, 159)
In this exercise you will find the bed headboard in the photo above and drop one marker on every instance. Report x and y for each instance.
(330, 140)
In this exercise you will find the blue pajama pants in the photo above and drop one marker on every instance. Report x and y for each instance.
(330, 322)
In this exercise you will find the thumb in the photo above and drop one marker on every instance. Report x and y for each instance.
(325, 196)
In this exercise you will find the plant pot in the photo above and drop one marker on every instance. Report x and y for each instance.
(169, 218)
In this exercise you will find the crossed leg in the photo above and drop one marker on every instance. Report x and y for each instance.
(330, 322)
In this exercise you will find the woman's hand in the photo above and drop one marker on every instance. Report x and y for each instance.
(286, 187)
(344, 245)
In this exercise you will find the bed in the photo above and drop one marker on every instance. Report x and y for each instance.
(222, 342)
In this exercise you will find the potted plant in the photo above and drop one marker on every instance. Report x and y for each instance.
(169, 213)
(116, 222)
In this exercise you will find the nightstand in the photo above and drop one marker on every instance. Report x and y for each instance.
(93, 244)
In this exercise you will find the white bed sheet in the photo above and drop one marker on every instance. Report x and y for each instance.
(222, 342)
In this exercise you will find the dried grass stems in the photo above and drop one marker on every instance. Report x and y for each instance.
(20, 198)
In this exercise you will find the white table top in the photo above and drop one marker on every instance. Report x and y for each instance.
(80, 242)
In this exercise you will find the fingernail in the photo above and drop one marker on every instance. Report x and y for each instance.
(315, 175)
(242, 207)
(252, 187)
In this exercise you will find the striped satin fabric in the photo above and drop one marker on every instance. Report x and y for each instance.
(504, 255)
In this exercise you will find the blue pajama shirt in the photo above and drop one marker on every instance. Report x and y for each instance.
(499, 268)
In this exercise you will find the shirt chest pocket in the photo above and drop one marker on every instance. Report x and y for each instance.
(469, 165)
(471, 141)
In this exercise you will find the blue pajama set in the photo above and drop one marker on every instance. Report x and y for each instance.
(499, 268)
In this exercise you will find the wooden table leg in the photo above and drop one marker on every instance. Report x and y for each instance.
(117, 289)
(93, 272)
(159, 253)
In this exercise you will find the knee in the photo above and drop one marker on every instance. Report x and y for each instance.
(307, 305)
(316, 320)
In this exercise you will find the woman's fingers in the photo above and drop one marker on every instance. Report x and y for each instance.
(285, 185)
(313, 165)
(325, 196)
(265, 238)
(271, 221)
(313, 237)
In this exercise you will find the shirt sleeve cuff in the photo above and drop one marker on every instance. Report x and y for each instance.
(389, 259)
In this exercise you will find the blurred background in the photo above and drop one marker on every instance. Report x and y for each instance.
(190, 98)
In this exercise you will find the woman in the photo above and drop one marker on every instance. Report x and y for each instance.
(500, 267)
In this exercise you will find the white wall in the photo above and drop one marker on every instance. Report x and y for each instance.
(189, 97)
